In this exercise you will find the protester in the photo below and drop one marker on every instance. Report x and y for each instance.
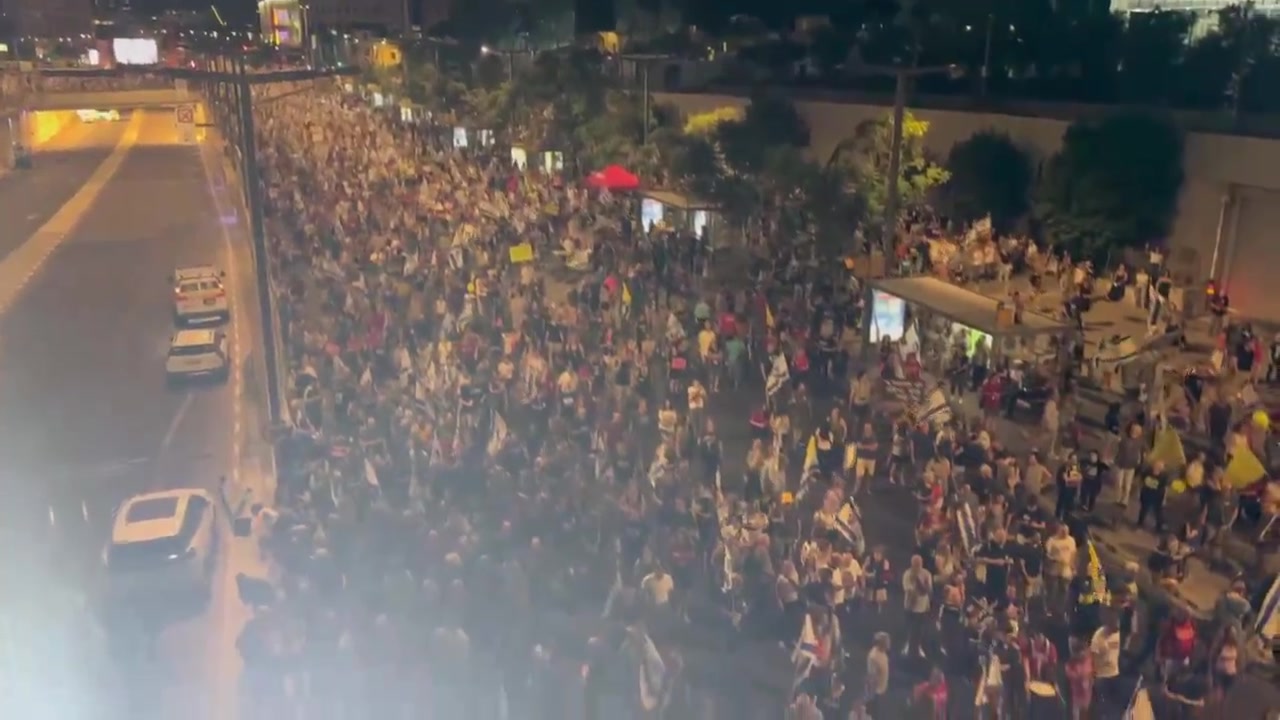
(529, 464)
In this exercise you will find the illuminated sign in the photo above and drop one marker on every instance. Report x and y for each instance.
(135, 51)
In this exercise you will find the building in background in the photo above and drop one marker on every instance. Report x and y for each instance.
(283, 22)
(50, 18)
(432, 12)
(391, 17)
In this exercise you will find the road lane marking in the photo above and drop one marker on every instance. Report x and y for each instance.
(226, 695)
(172, 430)
(17, 269)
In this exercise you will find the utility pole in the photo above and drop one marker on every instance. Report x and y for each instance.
(643, 60)
(229, 88)
(903, 77)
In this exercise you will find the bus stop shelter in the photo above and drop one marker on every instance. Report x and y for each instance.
(926, 302)
(667, 208)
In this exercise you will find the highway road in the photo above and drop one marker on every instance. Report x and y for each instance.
(87, 420)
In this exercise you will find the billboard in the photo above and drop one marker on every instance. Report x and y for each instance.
(282, 22)
(135, 51)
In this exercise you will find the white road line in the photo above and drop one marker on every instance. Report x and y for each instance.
(172, 431)
(226, 695)
(25, 261)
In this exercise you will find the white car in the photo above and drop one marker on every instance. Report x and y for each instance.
(199, 295)
(90, 116)
(164, 540)
(198, 353)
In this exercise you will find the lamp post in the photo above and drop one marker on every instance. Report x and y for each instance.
(644, 59)
(510, 55)
(229, 87)
(903, 77)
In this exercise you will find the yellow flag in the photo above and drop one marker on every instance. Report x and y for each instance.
(811, 453)
(626, 294)
(1167, 449)
(1244, 468)
(768, 317)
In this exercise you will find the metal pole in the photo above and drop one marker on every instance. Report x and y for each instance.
(645, 118)
(889, 232)
(986, 56)
(252, 182)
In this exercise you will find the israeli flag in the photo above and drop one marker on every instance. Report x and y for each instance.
(653, 671)
(969, 538)
(992, 680)
(849, 521)
(935, 410)
(498, 438)
(805, 655)
(779, 374)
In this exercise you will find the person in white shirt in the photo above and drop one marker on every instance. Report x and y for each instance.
(1060, 551)
(917, 589)
(877, 677)
(1105, 648)
(657, 587)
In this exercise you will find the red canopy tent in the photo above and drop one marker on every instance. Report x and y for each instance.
(613, 177)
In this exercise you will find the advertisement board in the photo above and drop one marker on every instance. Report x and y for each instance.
(888, 316)
(651, 213)
(135, 51)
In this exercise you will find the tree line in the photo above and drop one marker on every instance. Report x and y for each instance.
(1113, 184)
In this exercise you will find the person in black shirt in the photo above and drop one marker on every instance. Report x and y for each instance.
(997, 557)
(1094, 470)
(1151, 494)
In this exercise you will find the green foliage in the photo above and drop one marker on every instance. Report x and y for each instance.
(1114, 184)
(989, 174)
(864, 159)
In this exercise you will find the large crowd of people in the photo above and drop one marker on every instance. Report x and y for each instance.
(516, 486)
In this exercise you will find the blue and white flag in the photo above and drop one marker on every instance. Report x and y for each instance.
(969, 538)
(498, 438)
(653, 672)
(992, 680)
(935, 410)
(805, 655)
(779, 374)
(848, 521)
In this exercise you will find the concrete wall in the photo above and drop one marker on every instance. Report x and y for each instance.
(1217, 166)
(108, 99)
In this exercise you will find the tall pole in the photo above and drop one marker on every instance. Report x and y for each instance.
(644, 120)
(253, 192)
(986, 56)
(889, 232)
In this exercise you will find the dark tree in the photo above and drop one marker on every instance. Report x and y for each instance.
(989, 174)
(1151, 53)
(1114, 184)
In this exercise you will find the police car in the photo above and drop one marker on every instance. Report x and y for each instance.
(165, 540)
(199, 295)
(198, 353)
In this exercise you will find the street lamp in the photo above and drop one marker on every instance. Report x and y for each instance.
(511, 59)
(643, 59)
(903, 76)
(229, 86)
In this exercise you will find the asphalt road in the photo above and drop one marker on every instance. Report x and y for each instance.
(86, 418)
(28, 198)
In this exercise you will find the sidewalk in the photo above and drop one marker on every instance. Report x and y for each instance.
(1111, 527)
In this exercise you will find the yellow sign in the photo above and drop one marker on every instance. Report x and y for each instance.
(521, 253)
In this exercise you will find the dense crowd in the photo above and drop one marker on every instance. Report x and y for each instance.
(634, 487)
